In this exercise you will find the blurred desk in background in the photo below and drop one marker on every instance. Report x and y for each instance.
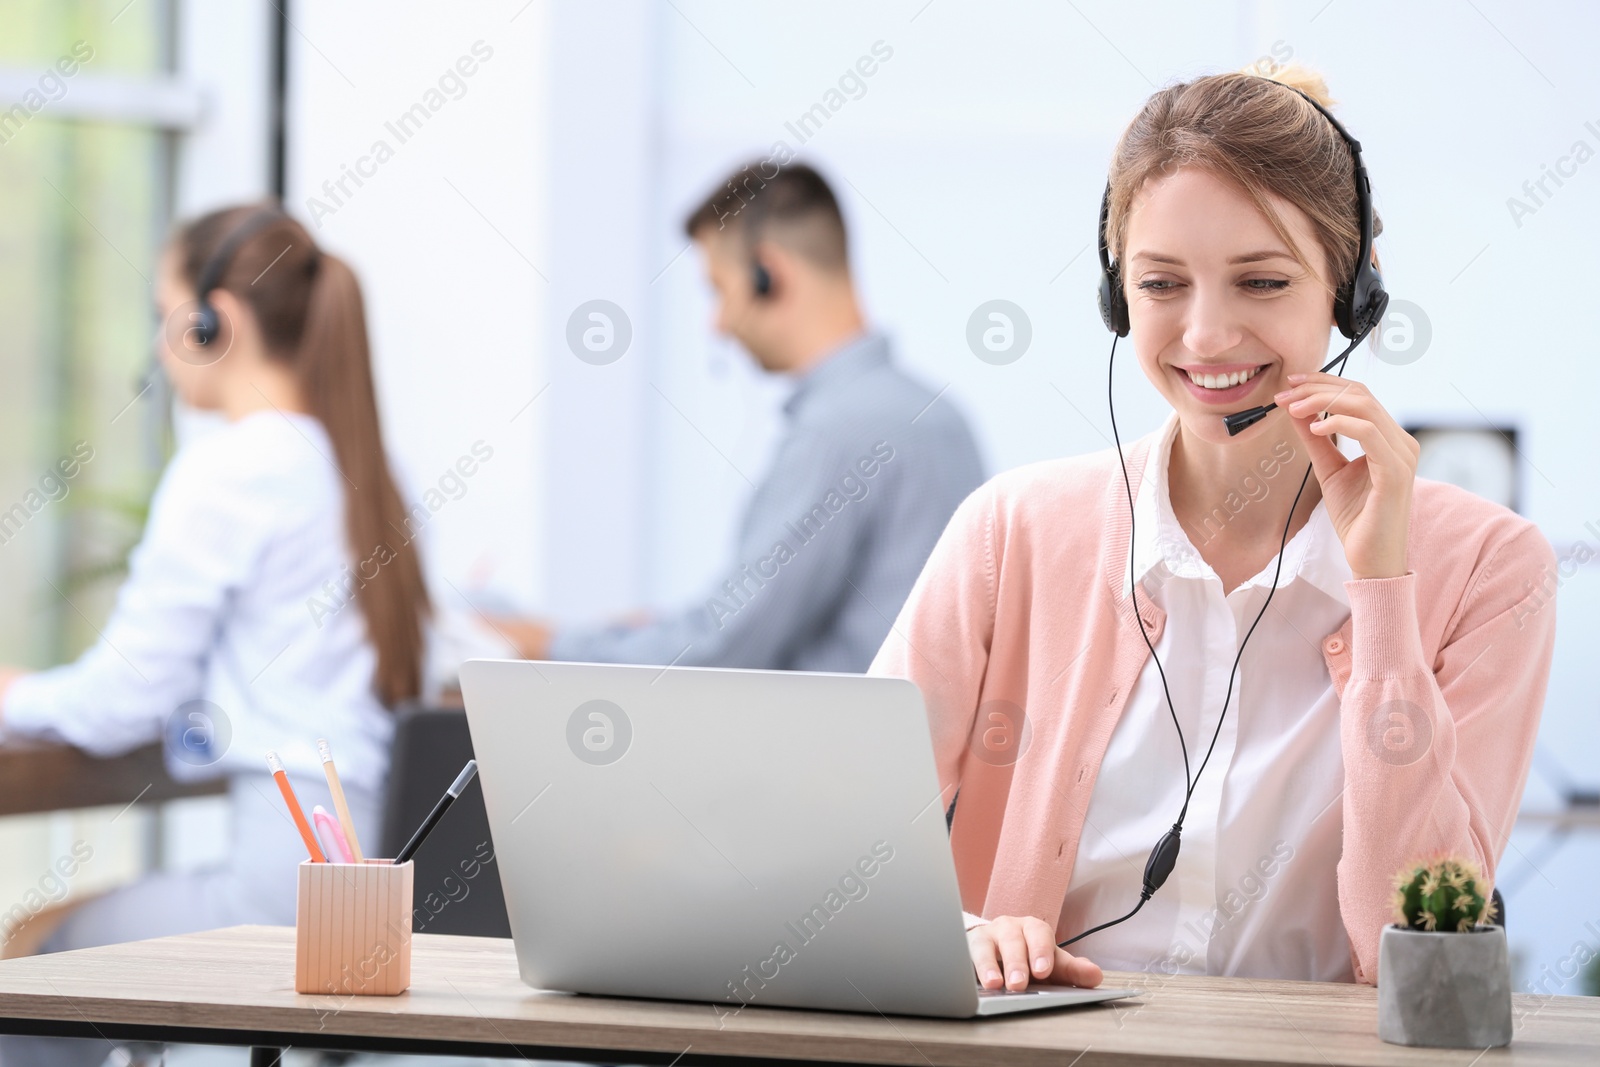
(38, 776)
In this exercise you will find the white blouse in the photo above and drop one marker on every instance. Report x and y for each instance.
(236, 630)
(1254, 891)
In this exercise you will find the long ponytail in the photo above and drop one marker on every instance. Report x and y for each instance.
(311, 314)
(336, 379)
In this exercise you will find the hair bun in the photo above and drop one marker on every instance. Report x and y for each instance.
(1296, 76)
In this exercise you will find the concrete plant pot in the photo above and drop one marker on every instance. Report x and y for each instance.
(1444, 989)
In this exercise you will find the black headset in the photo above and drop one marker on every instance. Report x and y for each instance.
(207, 322)
(760, 279)
(760, 276)
(1357, 309)
(1358, 305)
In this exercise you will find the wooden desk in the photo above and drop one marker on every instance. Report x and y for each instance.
(39, 776)
(235, 987)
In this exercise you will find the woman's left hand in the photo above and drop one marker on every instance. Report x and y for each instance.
(1369, 497)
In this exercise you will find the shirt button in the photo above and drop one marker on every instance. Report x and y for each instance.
(1334, 646)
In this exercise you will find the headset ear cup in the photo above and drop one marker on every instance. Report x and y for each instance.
(1343, 316)
(1372, 300)
(761, 280)
(1377, 303)
(1113, 308)
(1360, 306)
(207, 324)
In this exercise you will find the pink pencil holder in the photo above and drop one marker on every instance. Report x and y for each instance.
(352, 928)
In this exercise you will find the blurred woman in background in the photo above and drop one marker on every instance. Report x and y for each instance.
(274, 599)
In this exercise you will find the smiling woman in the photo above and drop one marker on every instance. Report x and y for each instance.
(1092, 593)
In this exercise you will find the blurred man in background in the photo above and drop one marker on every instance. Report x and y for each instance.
(870, 467)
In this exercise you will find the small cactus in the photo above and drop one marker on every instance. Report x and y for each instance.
(1445, 895)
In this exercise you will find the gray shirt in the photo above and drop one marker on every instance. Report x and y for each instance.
(869, 471)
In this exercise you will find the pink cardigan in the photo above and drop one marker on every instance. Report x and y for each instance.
(1024, 600)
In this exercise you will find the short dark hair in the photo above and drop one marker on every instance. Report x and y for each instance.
(788, 203)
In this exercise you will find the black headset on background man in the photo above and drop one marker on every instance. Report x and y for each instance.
(754, 223)
(1358, 307)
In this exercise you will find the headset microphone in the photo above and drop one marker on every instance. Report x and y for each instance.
(1243, 420)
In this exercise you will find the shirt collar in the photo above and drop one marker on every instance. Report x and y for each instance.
(1314, 553)
(852, 358)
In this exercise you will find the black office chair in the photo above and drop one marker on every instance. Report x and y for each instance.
(456, 889)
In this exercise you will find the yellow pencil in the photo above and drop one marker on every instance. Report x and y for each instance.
(339, 804)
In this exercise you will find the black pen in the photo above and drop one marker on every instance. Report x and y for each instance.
(438, 811)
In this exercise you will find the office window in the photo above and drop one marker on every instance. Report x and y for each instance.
(86, 151)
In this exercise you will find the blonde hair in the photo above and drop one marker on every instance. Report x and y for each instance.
(1261, 139)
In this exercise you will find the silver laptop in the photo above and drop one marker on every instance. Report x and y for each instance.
(741, 837)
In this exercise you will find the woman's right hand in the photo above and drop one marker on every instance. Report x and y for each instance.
(1008, 950)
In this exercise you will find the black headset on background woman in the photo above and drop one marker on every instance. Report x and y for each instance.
(207, 322)
(1358, 307)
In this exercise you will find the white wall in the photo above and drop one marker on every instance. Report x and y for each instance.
(449, 235)
(602, 146)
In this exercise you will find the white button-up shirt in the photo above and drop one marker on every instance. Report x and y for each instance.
(1254, 890)
(237, 630)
